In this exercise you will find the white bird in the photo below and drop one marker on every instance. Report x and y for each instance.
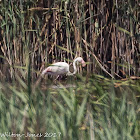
(62, 68)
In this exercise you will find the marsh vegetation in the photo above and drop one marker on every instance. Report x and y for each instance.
(101, 101)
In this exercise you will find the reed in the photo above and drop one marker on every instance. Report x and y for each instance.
(34, 34)
(37, 28)
(89, 110)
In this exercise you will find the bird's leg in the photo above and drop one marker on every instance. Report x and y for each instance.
(55, 80)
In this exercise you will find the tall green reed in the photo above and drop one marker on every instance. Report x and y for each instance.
(90, 110)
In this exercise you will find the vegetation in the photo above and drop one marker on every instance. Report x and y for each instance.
(100, 109)
(58, 30)
(36, 33)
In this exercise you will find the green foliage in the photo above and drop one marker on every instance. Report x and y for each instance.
(95, 107)
(99, 110)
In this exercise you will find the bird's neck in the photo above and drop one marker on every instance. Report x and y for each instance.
(74, 66)
(75, 69)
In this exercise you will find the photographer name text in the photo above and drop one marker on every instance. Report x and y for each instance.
(28, 134)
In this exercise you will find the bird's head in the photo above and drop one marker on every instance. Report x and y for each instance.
(80, 60)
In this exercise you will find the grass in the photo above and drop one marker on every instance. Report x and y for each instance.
(91, 110)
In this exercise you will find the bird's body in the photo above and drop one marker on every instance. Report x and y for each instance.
(62, 68)
(59, 68)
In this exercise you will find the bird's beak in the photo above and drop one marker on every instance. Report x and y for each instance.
(83, 63)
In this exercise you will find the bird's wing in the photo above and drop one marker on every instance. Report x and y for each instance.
(60, 68)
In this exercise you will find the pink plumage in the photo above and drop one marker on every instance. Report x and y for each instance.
(62, 68)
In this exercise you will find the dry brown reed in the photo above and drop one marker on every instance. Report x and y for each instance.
(50, 31)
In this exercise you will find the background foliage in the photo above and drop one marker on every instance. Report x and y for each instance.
(57, 30)
(35, 33)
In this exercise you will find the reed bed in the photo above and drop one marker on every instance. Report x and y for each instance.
(96, 106)
(98, 109)
(55, 30)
